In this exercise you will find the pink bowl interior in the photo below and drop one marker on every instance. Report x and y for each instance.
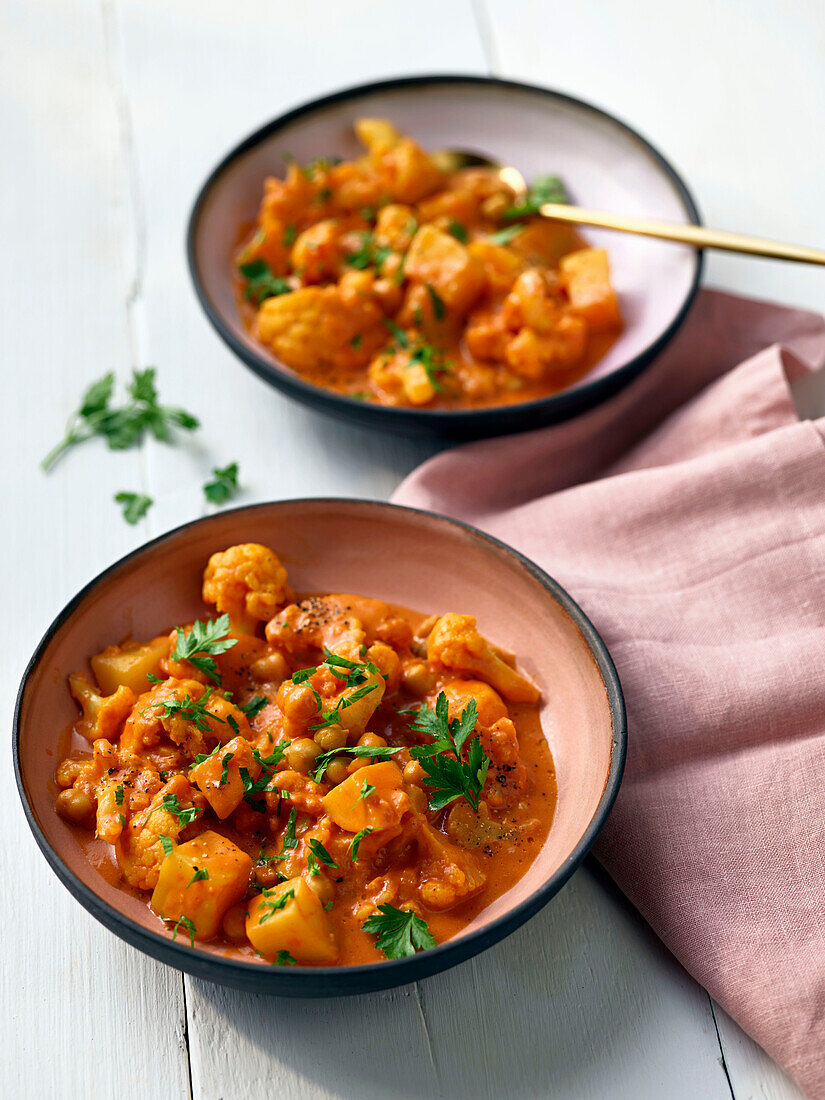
(406, 557)
(603, 165)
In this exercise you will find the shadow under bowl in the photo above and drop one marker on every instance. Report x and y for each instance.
(401, 555)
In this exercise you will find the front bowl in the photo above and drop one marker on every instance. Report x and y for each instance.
(605, 164)
(398, 554)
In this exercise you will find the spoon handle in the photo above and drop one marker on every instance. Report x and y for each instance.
(696, 235)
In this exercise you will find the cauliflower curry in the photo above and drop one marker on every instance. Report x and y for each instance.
(389, 280)
(325, 780)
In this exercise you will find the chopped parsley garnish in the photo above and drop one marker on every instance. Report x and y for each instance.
(199, 759)
(225, 768)
(224, 484)
(369, 254)
(185, 814)
(283, 958)
(356, 341)
(398, 932)
(378, 751)
(252, 788)
(261, 283)
(269, 908)
(318, 855)
(119, 794)
(290, 841)
(457, 230)
(200, 873)
(449, 775)
(352, 673)
(504, 236)
(401, 337)
(135, 506)
(199, 645)
(150, 676)
(543, 189)
(125, 425)
(355, 844)
(188, 925)
(190, 710)
(289, 236)
(439, 309)
(255, 705)
(231, 721)
(270, 763)
(431, 361)
(166, 843)
(366, 791)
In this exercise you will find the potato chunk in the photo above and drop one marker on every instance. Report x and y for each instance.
(313, 329)
(382, 808)
(225, 797)
(291, 918)
(128, 665)
(443, 262)
(202, 900)
(586, 275)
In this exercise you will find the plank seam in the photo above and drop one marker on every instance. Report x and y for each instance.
(722, 1058)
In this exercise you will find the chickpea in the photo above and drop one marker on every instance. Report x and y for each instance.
(418, 677)
(337, 771)
(302, 754)
(296, 701)
(331, 737)
(67, 771)
(234, 923)
(322, 887)
(418, 799)
(75, 806)
(374, 740)
(413, 773)
(271, 668)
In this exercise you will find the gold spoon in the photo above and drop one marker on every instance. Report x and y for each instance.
(452, 160)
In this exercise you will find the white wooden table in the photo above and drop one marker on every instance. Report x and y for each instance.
(112, 113)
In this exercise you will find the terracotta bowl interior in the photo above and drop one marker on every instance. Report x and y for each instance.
(604, 165)
(405, 557)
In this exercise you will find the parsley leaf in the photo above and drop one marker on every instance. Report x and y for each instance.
(366, 791)
(261, 283)
(199, 645)
(166, 843)
(321, 854)
(504, 236)
(225, 760)
(290, 841)
(283, 958)
(368, 255)
(543, 189)
(121, 426)
(431, 361)
(224, 484)
(457, 230)
(398, 932)
(119, 794)
(355, 844)
(401, 337)
(449, 776)
(439, 309)
(188, 925)
(269, 908)
(190, 710)
(135, 506)
(200, 873)
(255, 705)
(185, 814)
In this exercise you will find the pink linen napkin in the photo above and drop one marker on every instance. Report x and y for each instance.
(687, 517)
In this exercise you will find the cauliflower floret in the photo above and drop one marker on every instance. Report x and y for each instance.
(140, 849)
(456, 643)
(103, 715)
(322, 328)
(247, 582)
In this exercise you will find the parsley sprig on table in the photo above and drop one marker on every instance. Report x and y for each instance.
(449, 775)
(135, 505)
(398, 932)
(543, 189)
(199, 645)
(224, 484)
(124, 425)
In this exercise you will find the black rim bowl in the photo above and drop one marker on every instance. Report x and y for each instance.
(436, 423)
(299, 981)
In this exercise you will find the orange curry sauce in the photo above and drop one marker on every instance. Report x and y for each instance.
(253, 846)
(390, 280)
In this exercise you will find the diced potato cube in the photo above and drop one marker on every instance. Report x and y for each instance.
(440, 260)
(501, 265)
(290, 917)
(407, 172)
(182, 892)
(225, 797)
(382, 808)
(128, 665)
(586, 275)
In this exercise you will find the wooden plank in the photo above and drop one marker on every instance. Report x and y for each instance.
(752, 1072)
(582, 1003)
(83, 1013)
